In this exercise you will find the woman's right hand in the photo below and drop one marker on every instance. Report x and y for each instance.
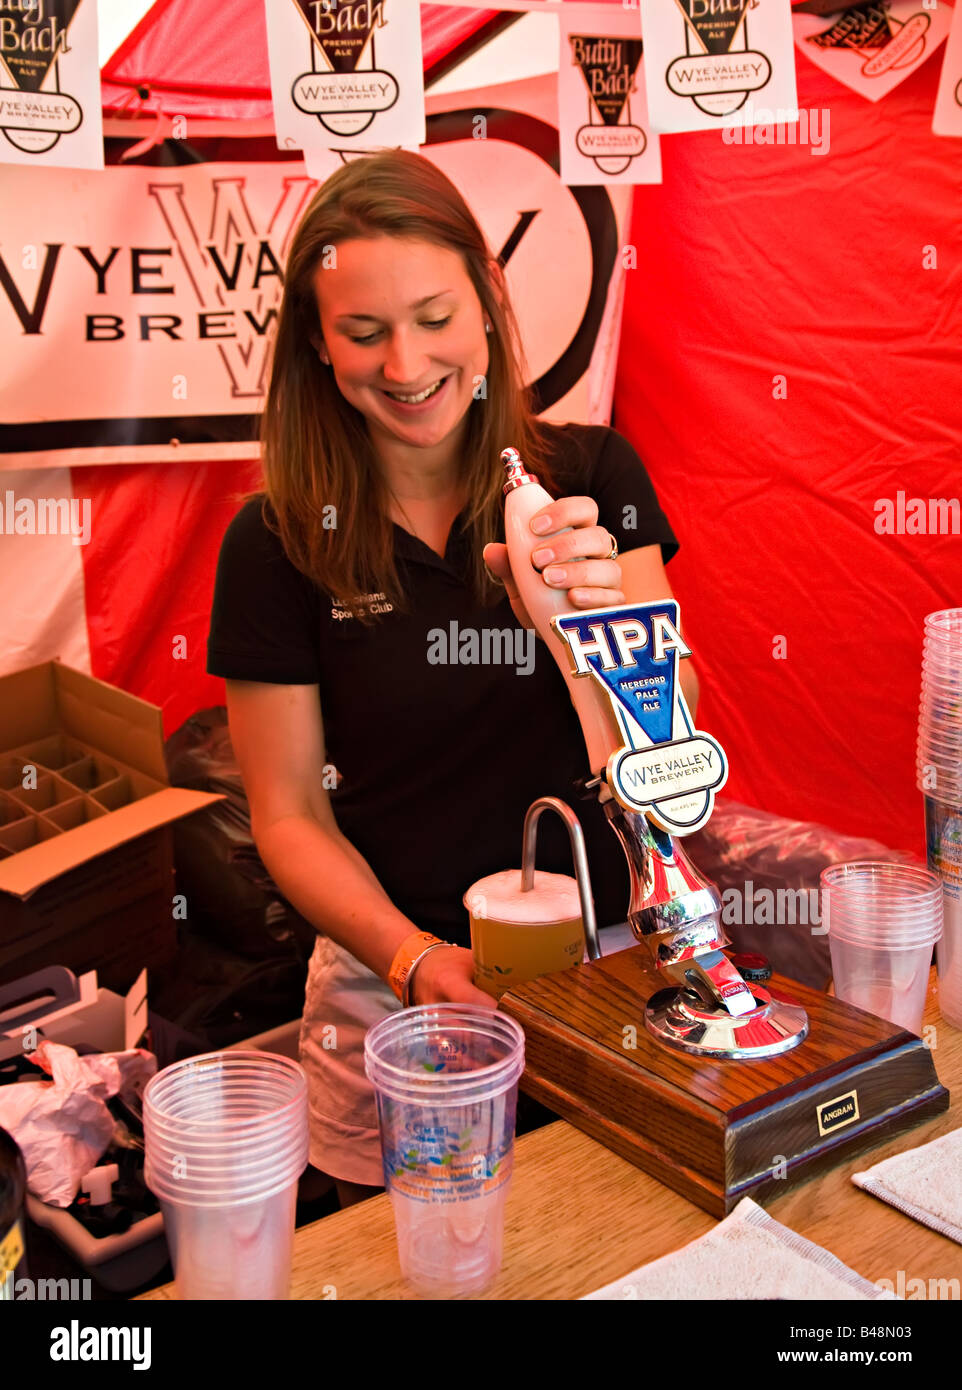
(447, 977)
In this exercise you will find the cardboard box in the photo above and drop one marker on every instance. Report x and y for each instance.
(55, 1005)
(58, 1006)
(86, 857)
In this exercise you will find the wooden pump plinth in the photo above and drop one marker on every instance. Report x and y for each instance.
(717, 1130)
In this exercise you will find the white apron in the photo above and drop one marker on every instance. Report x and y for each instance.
(343, 1000)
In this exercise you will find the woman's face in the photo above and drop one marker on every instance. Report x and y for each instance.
(399, 318)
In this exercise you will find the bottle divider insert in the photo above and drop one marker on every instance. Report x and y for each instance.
(89, 772)
(50, 791)
(10, 810)
(11, 772)
(113, 795)
(56, 804)
(54, 752)
(24, 834)
(110, 783)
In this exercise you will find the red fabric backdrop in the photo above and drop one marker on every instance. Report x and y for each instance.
(763, 260)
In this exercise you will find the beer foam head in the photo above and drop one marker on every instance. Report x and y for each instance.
(554, 898)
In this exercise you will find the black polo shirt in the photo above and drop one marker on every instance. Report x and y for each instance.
(439, 759)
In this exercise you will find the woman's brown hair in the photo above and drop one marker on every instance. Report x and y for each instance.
(315, 445)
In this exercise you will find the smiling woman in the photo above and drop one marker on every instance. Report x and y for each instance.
(411, 369)
(391, 294)
(395, 384)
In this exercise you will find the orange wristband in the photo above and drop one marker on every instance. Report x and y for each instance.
(411, 950)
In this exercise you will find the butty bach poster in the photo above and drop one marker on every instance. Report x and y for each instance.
(346, 73)
(873, 48)
(714, 62)
(603, 127)
(50, 84)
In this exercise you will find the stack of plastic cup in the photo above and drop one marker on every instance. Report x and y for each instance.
(883, 921)
(226, 1139)
(939, 769)
(446, 1080)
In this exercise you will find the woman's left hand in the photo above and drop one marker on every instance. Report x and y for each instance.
(575, 561)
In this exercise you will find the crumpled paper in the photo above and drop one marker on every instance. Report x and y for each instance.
(63, 1126)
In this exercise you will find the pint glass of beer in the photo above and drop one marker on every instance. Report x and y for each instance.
(517, 936)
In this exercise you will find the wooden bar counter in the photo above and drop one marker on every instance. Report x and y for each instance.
(579, 1217)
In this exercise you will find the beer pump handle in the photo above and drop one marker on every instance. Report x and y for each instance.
(578, 853)
(524, 496)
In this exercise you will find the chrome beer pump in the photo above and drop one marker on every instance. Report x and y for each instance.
(676, 913)
(656, 777)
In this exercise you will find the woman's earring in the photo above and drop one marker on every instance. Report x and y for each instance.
(487, 328)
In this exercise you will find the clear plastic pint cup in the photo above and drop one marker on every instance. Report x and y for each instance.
(225, 1140)
(939, 776)
(446, 1080)
(232, 1250)
(883, 922)
(943, 630)
(943, 838)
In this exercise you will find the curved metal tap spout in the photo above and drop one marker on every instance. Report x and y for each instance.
(578, 854)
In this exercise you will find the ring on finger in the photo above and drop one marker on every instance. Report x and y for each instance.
(613, 552)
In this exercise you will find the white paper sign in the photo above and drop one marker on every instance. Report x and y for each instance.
(50, 84)
(345, 73)
(602, 108)
(875, 47)
(947, 119)
(707, 61)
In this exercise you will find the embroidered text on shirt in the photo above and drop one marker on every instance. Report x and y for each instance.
(371, 603)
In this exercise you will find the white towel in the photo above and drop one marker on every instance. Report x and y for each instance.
(925, 1182)
(748, 1255)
